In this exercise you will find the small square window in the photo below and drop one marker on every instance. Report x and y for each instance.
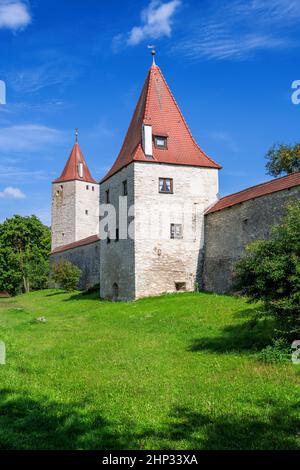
(125, 192)
(107, 196)
(180, 286)
(160, 142)
(176, 231)
(166, 185)
(61, 186)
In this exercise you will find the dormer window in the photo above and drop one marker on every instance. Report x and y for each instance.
(160, 142)
(80, 170)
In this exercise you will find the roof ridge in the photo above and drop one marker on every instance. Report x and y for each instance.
(260, 184)
(256, 191)
(83, 241)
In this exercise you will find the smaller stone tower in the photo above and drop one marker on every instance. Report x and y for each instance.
(75, 202)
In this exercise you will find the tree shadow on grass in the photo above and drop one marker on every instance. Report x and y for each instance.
(84, 295)
(26, 423)
(246, 432)
(252, 335)
(52, 294)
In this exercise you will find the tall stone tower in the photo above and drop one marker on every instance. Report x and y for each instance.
(75, 202)
(167, 182)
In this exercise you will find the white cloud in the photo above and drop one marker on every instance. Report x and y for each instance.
(50, 73)
(28, 137)
(12, 193)
(156, 22)
(14, 14)
(238, 29)
(22, 175)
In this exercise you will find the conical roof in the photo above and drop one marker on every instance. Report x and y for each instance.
(157, 107)
(73, 170)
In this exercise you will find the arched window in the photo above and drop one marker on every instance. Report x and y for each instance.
(115, 291)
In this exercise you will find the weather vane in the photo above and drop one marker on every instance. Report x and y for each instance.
(76, 135)
(153, 52)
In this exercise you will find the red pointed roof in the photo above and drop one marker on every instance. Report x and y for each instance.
(157, 107)
(70, 172)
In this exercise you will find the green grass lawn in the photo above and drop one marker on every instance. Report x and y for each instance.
(178, 371)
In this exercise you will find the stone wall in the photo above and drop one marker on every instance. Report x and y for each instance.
(163, 264)
(152, 263)
(227, 232)
(63, 214)
(86, 209)
(75, 212)
(117, 270)
(87, 258)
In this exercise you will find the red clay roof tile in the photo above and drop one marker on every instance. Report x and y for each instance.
(84, 241)
(253, 192)
(158, 108)
(70, 172)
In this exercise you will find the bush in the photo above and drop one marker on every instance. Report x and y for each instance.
(66, 275)
(278, 352)
(271, 273)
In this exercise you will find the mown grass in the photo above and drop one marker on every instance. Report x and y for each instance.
(178, 371)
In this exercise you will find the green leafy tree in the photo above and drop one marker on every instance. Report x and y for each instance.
(270, 273)
(283, 159)
(65, 274)
(24, 253)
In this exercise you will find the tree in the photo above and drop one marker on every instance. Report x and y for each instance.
(24, 252)
(65, 274)
(271, 273)
(283, 159)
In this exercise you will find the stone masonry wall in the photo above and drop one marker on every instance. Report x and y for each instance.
(161, 262)
(70, 222)
(228, 231)
(87, 258)
(117, 257)
(87, 199)
(63, 214)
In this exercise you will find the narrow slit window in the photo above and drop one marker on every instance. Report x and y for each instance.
(125, 191)
(107, 196)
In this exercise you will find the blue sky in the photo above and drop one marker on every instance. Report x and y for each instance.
(82, 64)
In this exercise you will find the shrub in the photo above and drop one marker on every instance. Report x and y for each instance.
(66, 275)
(271, 273)
(278, 351)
